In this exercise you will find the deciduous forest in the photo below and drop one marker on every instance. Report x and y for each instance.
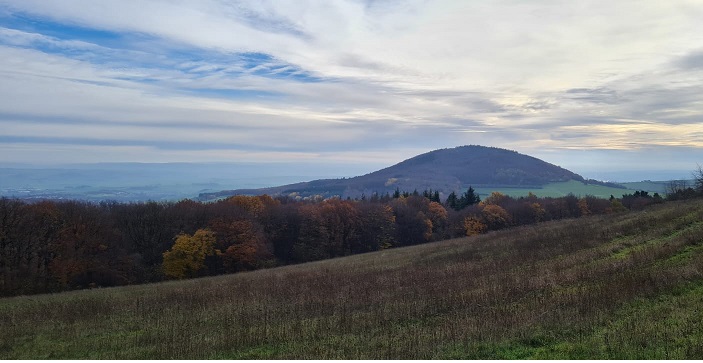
(53, 246)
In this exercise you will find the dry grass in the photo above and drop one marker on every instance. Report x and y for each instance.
(617, 286)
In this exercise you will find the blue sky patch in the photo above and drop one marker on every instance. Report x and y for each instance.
(127, 49)
(59, 30)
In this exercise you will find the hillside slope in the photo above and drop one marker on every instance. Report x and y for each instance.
(625, 286)
(444, 170)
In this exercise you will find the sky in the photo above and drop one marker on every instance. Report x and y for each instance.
(608, 89)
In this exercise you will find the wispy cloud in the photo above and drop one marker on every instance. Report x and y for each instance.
(344, 77)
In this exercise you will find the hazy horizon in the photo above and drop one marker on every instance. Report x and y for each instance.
(353, 83)
(270, 172)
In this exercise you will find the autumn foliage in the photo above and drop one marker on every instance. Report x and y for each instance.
(187, 256)
(474, 226)
(60, 245)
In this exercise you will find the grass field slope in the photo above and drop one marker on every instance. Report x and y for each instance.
(619, 286)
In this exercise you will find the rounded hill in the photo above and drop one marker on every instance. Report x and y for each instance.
(459, 167)
(443, 170)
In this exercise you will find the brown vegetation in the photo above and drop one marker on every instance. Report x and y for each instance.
(56, 246)
(616, 286)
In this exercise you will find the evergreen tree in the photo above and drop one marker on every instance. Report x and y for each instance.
(435, 196)
(432, 195)
(452, 201)
(470, 197)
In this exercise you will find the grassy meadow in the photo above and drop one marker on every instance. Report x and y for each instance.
(577, 188)
(622, 286)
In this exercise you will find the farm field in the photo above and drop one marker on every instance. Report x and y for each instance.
(618, 286)
(653, 186)
(560, 189)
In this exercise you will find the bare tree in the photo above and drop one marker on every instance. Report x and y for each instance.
(676, 186)
(698, 179)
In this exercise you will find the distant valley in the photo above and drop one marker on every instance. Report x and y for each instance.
(484, 168)
(133, 182)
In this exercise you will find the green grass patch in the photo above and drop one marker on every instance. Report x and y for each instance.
(668, 326)
(685, 255)
(561, 189)
(653, 186)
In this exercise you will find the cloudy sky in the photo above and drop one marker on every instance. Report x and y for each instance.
(607, 89)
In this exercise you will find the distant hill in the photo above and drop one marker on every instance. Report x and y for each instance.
(445, 170)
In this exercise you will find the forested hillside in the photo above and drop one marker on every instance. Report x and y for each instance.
(54, 246)
(614, 286)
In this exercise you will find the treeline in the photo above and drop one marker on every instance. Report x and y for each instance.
(54, 246)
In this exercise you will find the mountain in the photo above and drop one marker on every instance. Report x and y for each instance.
(445, 170)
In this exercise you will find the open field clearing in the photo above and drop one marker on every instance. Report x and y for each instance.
(561, 189)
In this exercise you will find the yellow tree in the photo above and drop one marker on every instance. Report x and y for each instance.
(187, 256)
(496, 217)
(438, 216)
(474, 226)
(494, 199)
(254, 206)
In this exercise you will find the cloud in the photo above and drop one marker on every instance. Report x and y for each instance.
(691, 61)
(598, 95)
(346, 76)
